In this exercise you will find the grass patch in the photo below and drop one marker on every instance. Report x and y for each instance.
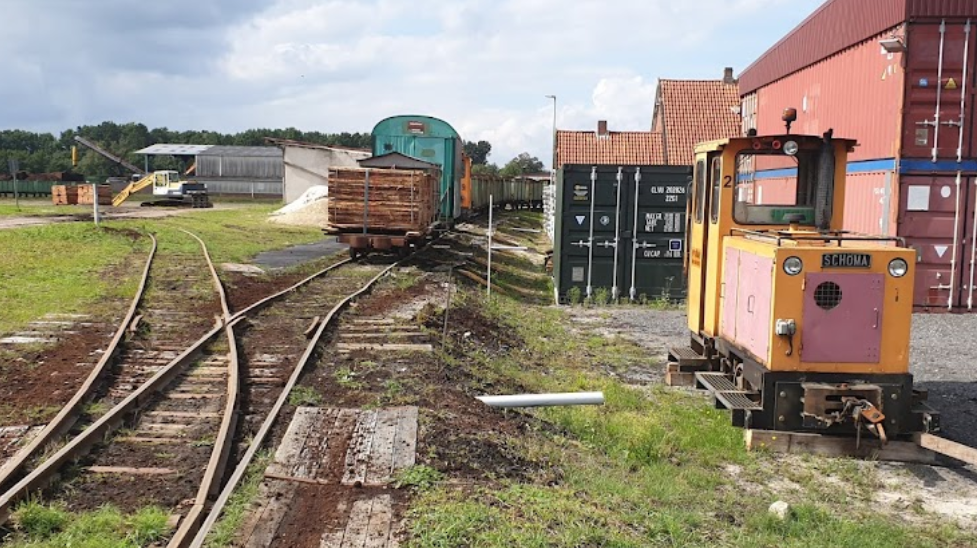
(40, 526)
(70, 268)
(62, 268)
(649, 468)
(236, 510)
(304, 395)
(418, 477)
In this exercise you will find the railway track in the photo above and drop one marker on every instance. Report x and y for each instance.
(175, 427)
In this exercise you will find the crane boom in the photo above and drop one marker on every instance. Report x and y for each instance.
(131, 189)
(108, 155)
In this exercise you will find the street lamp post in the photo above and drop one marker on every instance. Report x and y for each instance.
(553, 164)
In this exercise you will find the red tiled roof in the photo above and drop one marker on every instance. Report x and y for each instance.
(689, 112)
(615, 148)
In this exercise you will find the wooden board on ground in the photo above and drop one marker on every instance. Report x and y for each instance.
(947, 447)
(832, 446)
(341, 458)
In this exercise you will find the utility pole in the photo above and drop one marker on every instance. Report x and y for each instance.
(553, 163)
(14, 166)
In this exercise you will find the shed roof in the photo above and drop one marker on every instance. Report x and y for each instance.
(304, 144)
(614, 147)
(174, 149)
(838, 25)
(688, 112)
(397, 160)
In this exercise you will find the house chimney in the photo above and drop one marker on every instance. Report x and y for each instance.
(602, 128)
(728, 76)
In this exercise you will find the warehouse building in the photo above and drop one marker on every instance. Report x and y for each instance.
(228, 170)
(898, 76)
(307, 164)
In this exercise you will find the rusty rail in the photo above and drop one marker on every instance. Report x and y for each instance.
(259, 437)
(114, 418)
(69, 414)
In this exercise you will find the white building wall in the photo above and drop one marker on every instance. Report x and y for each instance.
(307, 167)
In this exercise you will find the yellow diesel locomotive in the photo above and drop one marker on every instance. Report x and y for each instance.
(796, 325)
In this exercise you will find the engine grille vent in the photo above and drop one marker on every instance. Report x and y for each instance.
(827, 295)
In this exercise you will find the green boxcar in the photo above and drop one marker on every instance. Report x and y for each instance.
(431, 140)
(27, 188)
(620, 231)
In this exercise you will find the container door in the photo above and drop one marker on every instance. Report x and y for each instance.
(654, 240)
(939, 113)
(936, 219)
(968, 295)
(588, 232)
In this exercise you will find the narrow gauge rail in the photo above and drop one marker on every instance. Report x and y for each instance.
(180, 407)
(175, 318)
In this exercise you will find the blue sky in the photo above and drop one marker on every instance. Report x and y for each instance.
(342, 65)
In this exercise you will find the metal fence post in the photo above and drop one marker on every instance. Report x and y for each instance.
(490, 247)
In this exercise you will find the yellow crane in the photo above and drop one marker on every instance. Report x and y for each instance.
(169, 184)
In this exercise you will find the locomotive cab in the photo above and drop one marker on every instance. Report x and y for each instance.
(796, 324)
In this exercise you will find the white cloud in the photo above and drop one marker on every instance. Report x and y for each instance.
(342, 65)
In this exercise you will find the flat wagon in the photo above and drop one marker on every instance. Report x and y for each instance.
(389, 210)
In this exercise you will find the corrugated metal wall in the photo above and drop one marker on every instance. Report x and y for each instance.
(832, 28)
(870, 203)
(263, 189)
(941, 8)
(240, 167)
(824, 96)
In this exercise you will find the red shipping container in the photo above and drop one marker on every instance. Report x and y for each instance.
(941, 61)
(858, 93)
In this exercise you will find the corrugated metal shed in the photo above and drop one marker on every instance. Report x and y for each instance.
(247, 163)
(838, 25)
(242, 152)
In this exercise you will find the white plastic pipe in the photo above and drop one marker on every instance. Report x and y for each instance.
(544, 400)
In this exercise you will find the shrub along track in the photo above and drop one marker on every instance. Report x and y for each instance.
(181, 423)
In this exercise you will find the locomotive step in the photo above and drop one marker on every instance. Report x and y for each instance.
(726, 393)
(687, 359)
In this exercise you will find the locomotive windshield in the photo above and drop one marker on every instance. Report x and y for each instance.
(774, 188)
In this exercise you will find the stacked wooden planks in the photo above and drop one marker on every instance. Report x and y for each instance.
(85, 195)
(64, 195)
(385, 201)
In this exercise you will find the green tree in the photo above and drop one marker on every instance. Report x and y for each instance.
(522, 165)
(485, 169)
(479, 152)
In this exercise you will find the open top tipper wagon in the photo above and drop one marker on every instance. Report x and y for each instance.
(390, 210)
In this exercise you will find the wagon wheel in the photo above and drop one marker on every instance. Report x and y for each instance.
(354, 253)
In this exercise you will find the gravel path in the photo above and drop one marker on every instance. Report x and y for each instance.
(944, 362)
(943, 356)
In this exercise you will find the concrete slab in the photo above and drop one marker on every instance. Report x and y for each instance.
(294, 256)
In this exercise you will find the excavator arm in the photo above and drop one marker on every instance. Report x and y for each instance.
(131, 189)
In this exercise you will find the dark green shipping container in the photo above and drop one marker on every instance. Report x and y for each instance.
(620, 231)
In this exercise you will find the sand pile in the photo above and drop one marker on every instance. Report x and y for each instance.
(311, 209)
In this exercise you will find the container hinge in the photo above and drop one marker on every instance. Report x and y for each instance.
(581, 243)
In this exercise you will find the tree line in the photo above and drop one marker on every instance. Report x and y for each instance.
(46, 153)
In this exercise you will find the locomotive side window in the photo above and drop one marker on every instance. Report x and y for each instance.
(717, 175)
(700, 191)
(772, 188)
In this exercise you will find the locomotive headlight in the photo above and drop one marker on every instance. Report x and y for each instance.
(898, 268)
(793, 266)
(791, 148)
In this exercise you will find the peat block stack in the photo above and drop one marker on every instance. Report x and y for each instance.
(381, 201)
(85, 195)
(64, 194)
